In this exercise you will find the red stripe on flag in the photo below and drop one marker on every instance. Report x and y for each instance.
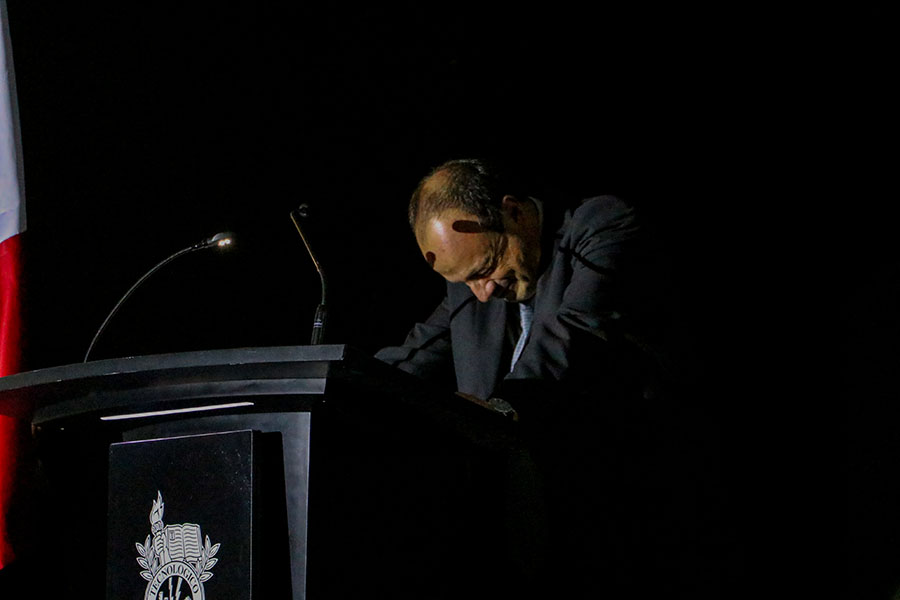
(10, 306)
(10, 362)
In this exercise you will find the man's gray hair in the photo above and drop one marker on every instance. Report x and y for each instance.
(470, 185)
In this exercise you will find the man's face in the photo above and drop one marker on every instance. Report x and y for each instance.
(501, 265)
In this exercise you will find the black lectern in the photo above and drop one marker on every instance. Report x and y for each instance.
(310, 471)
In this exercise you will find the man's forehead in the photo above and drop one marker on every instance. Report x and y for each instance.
(449, 226)
(449, 239)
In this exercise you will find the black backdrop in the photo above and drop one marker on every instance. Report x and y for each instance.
(148, 126)
(147, 129)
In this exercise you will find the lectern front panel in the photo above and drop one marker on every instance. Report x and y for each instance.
(180, 518)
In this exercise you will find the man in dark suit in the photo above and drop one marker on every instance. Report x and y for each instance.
(555, 316)
(580, 279)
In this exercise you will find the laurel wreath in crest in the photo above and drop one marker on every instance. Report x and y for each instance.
(149, 560)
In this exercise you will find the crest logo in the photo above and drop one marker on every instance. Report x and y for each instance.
(175, 561)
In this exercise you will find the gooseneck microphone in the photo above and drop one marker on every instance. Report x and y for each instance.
(220, 240)
(318, 332)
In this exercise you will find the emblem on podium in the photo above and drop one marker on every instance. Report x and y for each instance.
(175, 558)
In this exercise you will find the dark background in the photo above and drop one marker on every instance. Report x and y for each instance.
(149, 126)
(146, 130)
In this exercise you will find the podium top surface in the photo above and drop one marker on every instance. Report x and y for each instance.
(266, 378)
(230, 372)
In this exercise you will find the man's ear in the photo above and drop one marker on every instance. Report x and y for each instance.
(511, 207)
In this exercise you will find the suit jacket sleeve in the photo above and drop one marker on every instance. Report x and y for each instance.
(426, 351)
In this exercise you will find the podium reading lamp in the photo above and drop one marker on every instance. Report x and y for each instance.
(220, 240)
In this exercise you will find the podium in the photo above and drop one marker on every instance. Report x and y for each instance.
(288, 472)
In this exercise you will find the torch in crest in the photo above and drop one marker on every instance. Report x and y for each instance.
(157, 528)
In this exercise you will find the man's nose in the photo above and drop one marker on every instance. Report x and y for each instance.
(482, 288)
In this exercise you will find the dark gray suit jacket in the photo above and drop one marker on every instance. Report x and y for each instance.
(591, 322)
